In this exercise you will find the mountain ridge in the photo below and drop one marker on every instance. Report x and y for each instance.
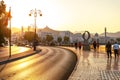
(111, 34)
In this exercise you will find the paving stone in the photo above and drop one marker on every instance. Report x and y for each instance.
(90, 67)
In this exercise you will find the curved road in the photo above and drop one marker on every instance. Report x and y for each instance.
(50, 64)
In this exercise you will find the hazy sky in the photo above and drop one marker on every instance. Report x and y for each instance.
(72, 15)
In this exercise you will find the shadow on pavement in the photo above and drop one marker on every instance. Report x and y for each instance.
(17, 58)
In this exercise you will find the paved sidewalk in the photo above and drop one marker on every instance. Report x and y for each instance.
(4, 51)
(95, 66)
(15, 55)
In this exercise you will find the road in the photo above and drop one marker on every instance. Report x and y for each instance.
(50, 64)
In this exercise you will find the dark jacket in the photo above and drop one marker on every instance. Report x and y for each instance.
(108, 47)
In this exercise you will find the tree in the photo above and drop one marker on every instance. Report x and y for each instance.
(4, 31)
(66, 39)
(118, 39)
(59, 39)
(29, 36)
(49, 38)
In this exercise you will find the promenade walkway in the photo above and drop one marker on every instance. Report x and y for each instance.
(95, 66)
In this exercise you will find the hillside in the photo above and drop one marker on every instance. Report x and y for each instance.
(109, 34)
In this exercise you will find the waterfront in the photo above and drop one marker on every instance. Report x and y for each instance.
(102, 49)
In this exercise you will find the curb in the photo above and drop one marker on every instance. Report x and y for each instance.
(13, 58)
(73, 67)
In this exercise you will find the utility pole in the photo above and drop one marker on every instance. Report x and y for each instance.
(9, 17)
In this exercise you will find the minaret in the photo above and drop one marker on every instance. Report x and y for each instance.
(105, 35)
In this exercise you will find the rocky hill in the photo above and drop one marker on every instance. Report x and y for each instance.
(109, 34)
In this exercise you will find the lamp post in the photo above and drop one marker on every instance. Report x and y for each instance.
(35, 12)
(9, 17)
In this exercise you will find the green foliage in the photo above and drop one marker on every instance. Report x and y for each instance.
(4, 31)
(59, 39)
(30, 36)
(49, 38)
(66, 39)
(118, 39)
(2, 7)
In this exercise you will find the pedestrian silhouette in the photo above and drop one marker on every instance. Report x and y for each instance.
(80, 45)
(76, 45)
(94, 45)
(97, 46)
(108, 48)
(116, 48)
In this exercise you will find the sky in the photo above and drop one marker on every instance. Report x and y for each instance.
(71, 15)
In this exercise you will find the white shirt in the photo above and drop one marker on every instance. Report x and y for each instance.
(115, 46)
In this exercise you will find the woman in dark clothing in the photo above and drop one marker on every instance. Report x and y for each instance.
(76, 45)
(108, 49)
(80, 45)
(97, 46)
(94, 45)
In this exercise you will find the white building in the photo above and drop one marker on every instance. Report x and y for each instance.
(47, 31)
(103, 39)
(69, 34)
(77, 37)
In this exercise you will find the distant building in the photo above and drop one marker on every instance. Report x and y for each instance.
(47, 31)
(77, 37)
(62, 34)
(73, 37)
(103, 39)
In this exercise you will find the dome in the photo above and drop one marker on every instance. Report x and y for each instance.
(96, 34)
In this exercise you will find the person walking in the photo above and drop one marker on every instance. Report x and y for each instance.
(94, 45)
(108, 49)
(80, 45)
(116, 48)
(76, 45)
(97, 46)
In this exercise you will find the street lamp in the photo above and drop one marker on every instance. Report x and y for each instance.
(35, 12)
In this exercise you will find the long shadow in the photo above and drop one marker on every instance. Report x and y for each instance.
(115, 65)
(4, 65)
(108, 66)
(17, 58)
